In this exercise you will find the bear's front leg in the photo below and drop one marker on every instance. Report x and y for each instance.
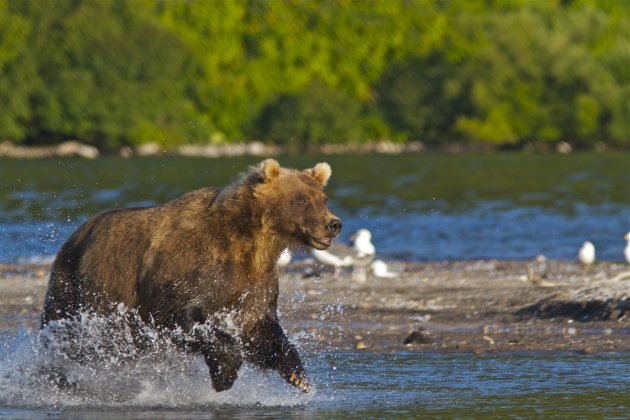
(268, 347)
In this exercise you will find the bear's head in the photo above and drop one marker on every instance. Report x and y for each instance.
(294, 203)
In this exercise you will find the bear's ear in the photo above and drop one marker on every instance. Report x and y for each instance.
(320, 172)
(269, 169)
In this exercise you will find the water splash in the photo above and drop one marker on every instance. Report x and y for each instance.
(118, 361)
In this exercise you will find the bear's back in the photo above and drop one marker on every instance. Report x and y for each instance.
(114, 250)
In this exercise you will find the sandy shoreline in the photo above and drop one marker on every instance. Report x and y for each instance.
(450, 306)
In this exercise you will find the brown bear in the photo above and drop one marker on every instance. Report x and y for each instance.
(192, 260)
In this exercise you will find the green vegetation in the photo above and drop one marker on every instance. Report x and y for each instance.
(300, 73)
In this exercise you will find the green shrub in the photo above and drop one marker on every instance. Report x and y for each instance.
(419, 100)
(313, 116)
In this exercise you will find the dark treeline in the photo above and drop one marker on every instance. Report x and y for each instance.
(300, 73)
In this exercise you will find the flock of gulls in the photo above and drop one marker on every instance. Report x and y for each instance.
(358, 256)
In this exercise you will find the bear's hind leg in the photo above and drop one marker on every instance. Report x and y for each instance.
(221, 351)
(224, 359)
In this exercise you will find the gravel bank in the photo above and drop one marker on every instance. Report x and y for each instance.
(451, 306)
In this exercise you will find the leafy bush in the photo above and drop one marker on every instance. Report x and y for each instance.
(420, 98)
(315, 115)
(105, 75)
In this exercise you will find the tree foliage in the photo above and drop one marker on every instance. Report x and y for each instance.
(315, 115)
(114, 72)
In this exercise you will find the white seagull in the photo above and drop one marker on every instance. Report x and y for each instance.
(626, 251)
(380, 270)
(586, 256)
(363, 243)
(337, 256)
(359, 255)
(284, 259)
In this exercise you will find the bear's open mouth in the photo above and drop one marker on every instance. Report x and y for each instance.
(325, 241)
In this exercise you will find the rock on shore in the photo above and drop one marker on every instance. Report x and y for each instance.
(599, 301)
(68, 148)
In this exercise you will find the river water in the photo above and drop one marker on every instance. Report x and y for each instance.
(167, 384)
(419, 207)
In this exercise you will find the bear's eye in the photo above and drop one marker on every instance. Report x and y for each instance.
(302, 201)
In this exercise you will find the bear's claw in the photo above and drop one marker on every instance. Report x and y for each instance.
(299, 382)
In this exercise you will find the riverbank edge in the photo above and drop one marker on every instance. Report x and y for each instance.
(75, 148)
(478, 307)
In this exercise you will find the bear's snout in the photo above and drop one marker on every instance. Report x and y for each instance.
(334, 227)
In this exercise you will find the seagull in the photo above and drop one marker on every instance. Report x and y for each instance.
(626, 251)
(359, 255)
(586, 256)
(337, 256)
(363, 243)
(284, 259)
(380, 270)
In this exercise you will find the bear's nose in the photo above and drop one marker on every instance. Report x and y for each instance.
(334, 226)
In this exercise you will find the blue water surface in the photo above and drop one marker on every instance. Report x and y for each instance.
(419, 207)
